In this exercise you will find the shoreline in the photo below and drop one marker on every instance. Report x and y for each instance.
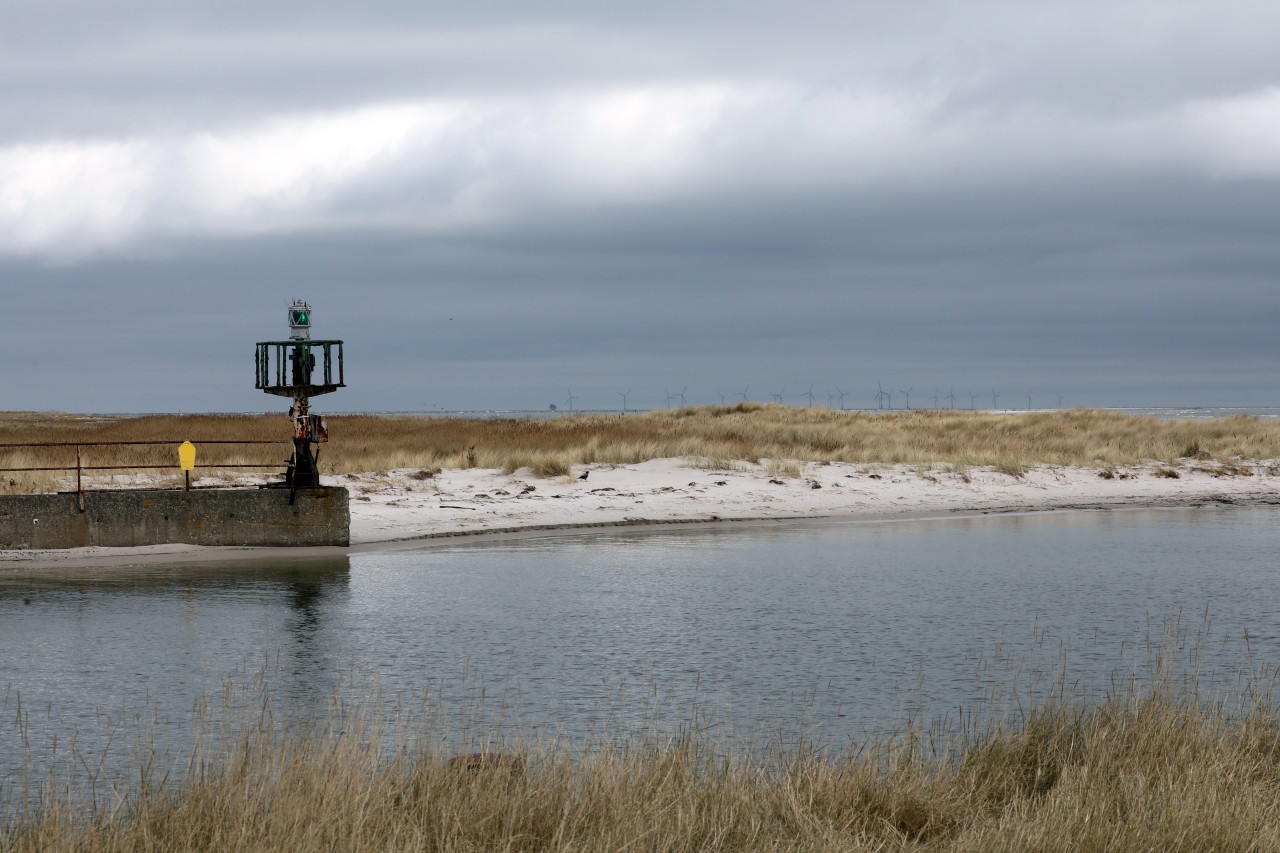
(404, 509)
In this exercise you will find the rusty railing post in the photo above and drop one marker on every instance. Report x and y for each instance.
(79, 482)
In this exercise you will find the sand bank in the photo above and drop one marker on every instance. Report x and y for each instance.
(406, 508)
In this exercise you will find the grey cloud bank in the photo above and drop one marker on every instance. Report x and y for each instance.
(496, 205)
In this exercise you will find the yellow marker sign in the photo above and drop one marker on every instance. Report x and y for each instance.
(187, 455)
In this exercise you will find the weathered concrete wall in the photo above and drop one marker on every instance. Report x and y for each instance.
(158, 517)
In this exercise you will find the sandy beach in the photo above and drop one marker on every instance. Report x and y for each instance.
(412, 508)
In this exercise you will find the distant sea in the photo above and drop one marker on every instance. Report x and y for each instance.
(1173, 412)
(1163, 412)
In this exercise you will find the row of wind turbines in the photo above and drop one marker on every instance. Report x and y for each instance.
(884, 398)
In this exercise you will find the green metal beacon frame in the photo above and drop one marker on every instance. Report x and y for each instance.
(292, 369)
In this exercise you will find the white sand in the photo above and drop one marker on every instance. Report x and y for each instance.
(395, 508)
(669, 490)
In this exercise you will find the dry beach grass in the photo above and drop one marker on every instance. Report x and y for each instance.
(1161, 769)
(708, 436)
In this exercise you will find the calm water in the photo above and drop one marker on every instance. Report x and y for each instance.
(841, 628)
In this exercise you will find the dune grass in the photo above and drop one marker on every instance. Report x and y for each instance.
(1158, 769)
(709, 436)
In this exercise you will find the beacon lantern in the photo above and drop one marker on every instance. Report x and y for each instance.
(299, 321)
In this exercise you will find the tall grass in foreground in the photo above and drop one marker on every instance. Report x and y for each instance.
(710, 436)
(1160, 768)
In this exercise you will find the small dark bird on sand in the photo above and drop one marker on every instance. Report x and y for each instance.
(584, 475)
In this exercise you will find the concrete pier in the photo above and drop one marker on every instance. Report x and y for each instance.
(245, 517)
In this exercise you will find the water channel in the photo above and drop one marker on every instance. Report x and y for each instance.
(845, 630)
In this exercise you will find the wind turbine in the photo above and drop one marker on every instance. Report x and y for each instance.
(952, 398)
(682, 402)
(569, 401)
(881, 394)
(1028, 401)
(994, 397)
(907, 394)
(744, 393)
(1060, 399)
(842, 394)
(809, 394)
(777, 398)
(830, 398)
(722, 399)
(623, 395)
(972, 398)
(935, 398)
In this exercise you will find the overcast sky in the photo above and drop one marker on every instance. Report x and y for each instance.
(495, 203)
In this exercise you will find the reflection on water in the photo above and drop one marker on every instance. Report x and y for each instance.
(842, 627)
(87, 650)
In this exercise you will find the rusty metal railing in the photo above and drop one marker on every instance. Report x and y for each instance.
(80, 467)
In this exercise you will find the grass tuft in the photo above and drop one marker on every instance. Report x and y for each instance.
(783, 468)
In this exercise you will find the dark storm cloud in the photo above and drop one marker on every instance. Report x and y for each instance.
(494, 201)
(460, 323)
